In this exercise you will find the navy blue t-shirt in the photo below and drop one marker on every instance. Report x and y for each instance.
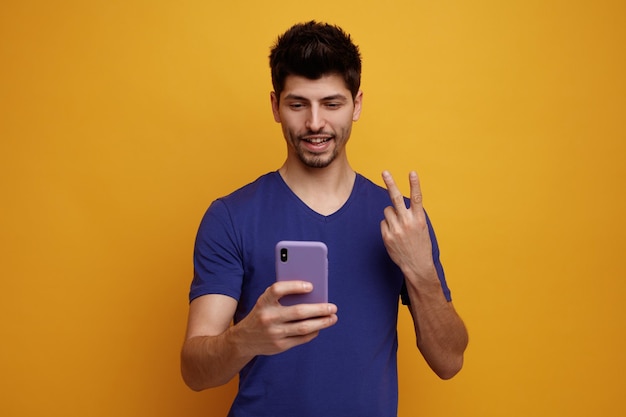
(350, 368)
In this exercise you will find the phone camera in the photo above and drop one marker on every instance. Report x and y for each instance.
(283, 255)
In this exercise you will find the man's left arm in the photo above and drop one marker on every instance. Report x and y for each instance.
(440, 333)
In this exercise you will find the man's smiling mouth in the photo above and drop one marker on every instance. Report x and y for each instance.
(316, 141)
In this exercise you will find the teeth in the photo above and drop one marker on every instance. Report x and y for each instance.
(317, 140)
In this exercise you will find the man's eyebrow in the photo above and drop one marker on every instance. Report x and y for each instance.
(295, 97)
(327, 98)
(335, 97)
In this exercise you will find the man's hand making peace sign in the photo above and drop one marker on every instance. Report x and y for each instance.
(405, 231)
(440, 332)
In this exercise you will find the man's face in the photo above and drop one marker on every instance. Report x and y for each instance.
(316, 118)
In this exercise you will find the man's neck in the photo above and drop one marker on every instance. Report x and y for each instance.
(324, 190)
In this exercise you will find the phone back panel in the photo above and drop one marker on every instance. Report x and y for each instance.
(306, 261)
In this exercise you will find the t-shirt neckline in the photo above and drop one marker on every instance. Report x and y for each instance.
(309, 210)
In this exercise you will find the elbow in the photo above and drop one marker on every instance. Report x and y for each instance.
(197, 387)
(194, 387)
(191, 379)
(192, 383)
(194, 376)
(448, 370)
(197, 382)
(448, 364)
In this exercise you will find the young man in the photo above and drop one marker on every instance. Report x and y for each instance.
(328, 359)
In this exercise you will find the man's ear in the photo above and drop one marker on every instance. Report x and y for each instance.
(274, 100)
(358, 104)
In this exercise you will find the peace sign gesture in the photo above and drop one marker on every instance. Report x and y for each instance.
(440, 332)
(405, 230)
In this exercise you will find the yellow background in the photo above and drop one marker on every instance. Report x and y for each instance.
(120, 121)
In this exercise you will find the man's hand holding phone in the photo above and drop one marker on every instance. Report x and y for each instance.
(272, 328)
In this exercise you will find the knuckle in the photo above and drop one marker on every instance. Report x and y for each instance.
(282, 333)
(420, 222)
(299, 311)
(272, 291)
(280, 345)
(303, 328)
(398, 199)
(312, 335)
(265, 318)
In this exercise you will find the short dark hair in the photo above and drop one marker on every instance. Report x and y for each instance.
(313, 50)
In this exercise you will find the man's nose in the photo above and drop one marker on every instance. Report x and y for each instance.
(315, 120)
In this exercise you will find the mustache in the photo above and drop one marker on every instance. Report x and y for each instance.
(310, 134)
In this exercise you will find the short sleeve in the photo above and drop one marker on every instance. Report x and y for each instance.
(217, 257)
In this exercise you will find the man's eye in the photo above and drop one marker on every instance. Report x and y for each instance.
(333, 105)
(296, 106)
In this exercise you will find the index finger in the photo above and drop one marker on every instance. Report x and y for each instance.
(280, 289)
(397, 199)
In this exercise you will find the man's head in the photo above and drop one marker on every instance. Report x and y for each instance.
(312, 50)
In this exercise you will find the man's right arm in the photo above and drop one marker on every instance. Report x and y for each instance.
(207, 359)
(214, 351)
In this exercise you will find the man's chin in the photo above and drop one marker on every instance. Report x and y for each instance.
(316, 161)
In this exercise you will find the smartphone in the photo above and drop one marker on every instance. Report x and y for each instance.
(305, 261)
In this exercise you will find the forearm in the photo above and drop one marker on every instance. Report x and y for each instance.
(211, 361)
(440, 333)
(214, 353)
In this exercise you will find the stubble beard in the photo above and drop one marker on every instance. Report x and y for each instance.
(313, 160)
